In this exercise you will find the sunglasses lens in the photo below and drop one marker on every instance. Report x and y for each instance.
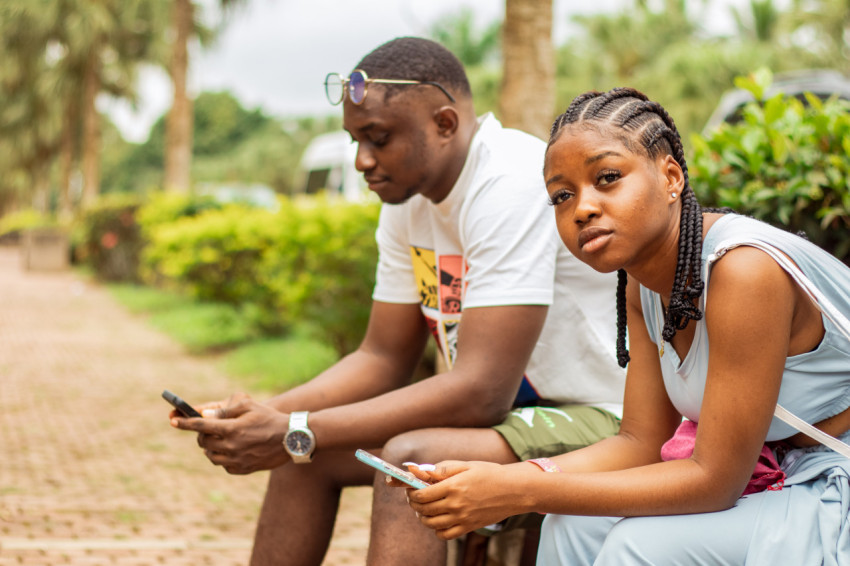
(334, 88)
(357, 87)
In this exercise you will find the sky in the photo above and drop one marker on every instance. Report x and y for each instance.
(274, 54)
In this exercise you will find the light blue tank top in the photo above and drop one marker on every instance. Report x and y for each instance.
(816, 384)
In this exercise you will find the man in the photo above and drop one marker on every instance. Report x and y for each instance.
(469, 254)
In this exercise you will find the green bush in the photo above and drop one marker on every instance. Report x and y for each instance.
(214, 256)
(312, 261)
(111, 240)
(167, 206)
(786, 162)
(12, 224)
(323, 268)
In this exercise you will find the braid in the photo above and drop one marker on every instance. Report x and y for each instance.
(649, 125)
(622, 352)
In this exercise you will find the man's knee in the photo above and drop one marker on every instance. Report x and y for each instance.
(414, 446)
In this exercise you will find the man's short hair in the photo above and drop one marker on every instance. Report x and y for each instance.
(417, 59)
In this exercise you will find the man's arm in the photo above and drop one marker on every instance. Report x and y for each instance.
(494, 346)
(385, 360)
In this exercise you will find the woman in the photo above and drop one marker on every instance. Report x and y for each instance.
(617, 179)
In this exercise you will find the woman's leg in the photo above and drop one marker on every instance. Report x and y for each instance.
(572, 540)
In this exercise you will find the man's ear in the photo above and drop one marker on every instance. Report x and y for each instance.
(447, 120)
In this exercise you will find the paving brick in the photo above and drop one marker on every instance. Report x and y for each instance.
(91, 473)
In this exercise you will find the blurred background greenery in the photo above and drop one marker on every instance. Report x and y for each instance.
(282, 290)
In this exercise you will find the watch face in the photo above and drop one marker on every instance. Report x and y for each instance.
(298, 442)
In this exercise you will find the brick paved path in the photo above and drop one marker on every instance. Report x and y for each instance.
(90, 471)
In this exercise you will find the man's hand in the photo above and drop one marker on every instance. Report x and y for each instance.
(242, 436)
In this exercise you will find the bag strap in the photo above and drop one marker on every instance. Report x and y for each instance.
(823, 305)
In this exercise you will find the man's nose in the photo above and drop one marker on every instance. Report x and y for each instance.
(364, 160)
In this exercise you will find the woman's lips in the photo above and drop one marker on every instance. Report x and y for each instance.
(592, 238)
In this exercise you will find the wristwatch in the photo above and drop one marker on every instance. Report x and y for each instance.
(299, 442)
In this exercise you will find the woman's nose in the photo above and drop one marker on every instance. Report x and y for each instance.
(587, 205)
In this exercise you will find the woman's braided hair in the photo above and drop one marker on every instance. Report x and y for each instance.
(647, 123)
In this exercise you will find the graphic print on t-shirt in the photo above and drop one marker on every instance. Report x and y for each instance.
(441, 294)
(451, 283)
(425, 271)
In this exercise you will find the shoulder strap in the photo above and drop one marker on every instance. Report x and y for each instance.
(823, 305)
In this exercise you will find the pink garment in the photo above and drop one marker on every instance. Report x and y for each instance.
(767, 474)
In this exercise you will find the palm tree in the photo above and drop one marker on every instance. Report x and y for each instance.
(178, 137)
(528, 81)
(104, 41)
(29, 115)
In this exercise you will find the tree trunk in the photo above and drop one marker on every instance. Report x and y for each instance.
(66, 159)
(91, 130)
(178, 131)
(528, 82)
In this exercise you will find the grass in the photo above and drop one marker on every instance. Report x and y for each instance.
(140, 299)
(259, 363)
(205, 327)
(275, 365)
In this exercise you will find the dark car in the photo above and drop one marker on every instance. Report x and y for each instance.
(823, 83)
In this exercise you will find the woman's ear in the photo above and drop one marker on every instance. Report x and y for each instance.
(447, 121)
(674, 177)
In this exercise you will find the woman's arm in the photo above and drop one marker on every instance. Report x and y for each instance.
(749, 316)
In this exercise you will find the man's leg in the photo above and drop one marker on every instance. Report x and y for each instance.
(300, 507)
(397, 536)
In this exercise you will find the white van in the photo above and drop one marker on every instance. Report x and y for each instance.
(328, 165)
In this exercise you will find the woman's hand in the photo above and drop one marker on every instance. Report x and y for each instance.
(465, 496)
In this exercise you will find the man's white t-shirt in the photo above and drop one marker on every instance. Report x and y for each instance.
(493, 242)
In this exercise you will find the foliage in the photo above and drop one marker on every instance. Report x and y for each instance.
(15, 222)
(166, 207)
(275, 365)
(787, 163)
(458, 33)
(310, 260)
(232, 145)
(323, 269)
(111, 238)
(214, 255)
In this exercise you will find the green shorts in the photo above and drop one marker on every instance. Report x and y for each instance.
(540, 432)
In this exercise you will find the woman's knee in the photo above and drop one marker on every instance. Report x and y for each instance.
(573, 540)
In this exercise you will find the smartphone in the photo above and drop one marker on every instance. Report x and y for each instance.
(389, 469)
(182, 406)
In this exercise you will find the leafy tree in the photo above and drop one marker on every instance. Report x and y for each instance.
(458, 33)
(478, 49)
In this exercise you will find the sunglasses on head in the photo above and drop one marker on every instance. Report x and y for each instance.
(356, 85)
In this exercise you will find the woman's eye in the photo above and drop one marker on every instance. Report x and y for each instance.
(559, 197)
(607, 177)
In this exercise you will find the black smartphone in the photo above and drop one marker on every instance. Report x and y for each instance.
(182, 406)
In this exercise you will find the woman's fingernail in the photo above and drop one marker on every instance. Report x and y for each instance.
(388, 479)
(209, 413)
(427, 467)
